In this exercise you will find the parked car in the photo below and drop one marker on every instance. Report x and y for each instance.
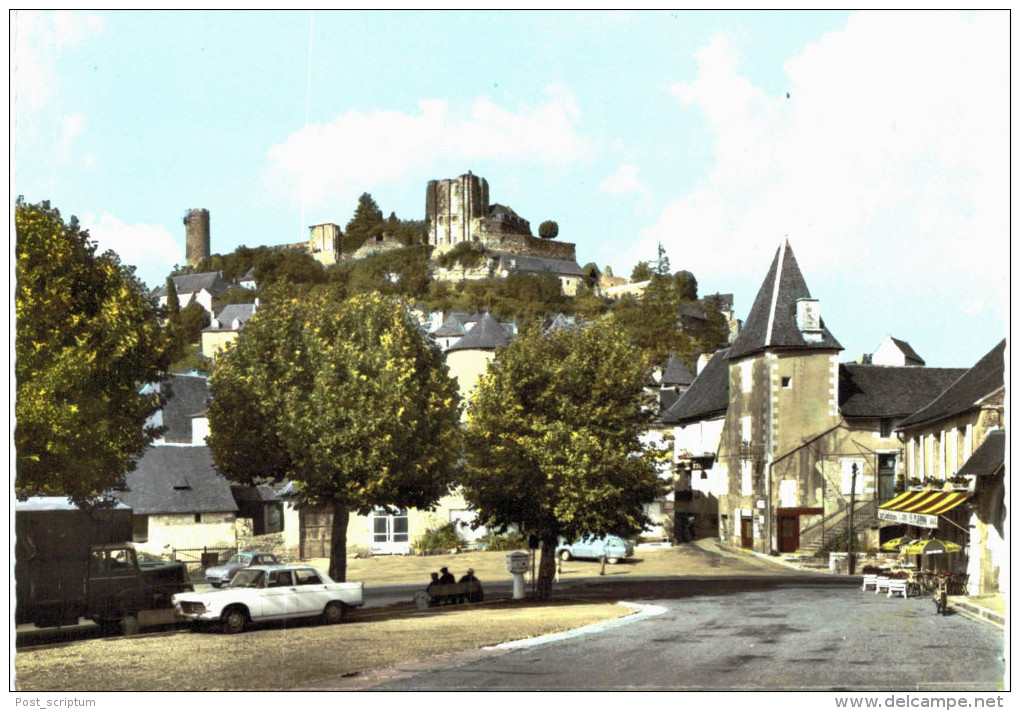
(271, 592)
(222, 574)
(612, 547)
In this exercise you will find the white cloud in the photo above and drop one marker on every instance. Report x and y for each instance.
(890, 152)
(39, 38)
(625, 181)
(359, 151)
(150, 248)
(74, 126)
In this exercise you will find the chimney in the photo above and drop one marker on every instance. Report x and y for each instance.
(809, 320)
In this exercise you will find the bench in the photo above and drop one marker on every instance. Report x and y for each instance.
(899, 586)
(870, 579)
(449, 594)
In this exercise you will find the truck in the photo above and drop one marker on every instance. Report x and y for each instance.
(73, 563)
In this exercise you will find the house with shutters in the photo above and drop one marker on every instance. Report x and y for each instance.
(775, 433)
(955, 464)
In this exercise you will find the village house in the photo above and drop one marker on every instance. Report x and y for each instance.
(206, 288)
(956, 445)
(179, 499)
(226, 327)
(774, 433)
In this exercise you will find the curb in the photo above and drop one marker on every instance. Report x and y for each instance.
(978, 613)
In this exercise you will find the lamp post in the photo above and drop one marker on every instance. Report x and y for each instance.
(850, 562)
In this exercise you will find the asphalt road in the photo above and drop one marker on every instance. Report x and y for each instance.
(774, 634)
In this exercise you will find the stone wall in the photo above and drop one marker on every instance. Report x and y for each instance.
(534, 246)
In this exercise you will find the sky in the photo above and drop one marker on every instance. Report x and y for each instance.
(877, 143)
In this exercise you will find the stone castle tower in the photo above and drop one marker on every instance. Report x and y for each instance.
(196, 243)
(451, 206)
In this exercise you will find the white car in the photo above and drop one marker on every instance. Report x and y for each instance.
(271, 592)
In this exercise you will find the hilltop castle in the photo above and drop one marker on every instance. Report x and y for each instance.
(457, 211)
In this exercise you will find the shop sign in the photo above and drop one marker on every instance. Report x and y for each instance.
(912, 519)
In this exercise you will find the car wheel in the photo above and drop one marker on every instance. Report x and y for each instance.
(234, 619)
(216, 585)
(565, 555)
(612, 561)
(129, 625)
(334, 613)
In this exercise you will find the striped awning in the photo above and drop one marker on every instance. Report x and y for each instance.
(920, 508)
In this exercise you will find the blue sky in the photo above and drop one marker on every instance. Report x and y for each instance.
(876, 142)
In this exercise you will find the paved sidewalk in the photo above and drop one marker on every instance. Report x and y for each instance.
(986, 608)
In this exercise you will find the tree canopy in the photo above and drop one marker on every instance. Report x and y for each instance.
(87, 339)
(552, 442)
(366, 222)
(346, 398)
(548, 230)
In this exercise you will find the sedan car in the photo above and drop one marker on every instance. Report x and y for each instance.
(271, 592)
(221, 574)
(612, 547)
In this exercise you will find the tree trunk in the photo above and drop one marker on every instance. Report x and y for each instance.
(338, 547)
(546, 569)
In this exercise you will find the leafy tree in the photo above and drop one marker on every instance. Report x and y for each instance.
(686, 286)
(552, 442)
(548, 230)
(193, 318)
(641, 272)
(366, 222)
(87, 338)
(347, 399)
(662, 262)
(173, 301)
(238, 295)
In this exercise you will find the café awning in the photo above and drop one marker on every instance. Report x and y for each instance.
(920, 508)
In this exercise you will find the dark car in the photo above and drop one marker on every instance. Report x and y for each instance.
(223, 573)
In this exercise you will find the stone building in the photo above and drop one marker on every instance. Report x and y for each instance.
(458, 211)
(774, 434)
(226, 327)
(957, 443)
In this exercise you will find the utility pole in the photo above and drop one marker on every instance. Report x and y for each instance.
(850, 562)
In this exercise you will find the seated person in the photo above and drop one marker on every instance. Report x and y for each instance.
(446, 577)
(434, 582)
(469, 576)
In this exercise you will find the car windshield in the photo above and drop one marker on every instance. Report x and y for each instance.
(248, 579)
(242, 559)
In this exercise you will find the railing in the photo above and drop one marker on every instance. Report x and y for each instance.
(835, 524)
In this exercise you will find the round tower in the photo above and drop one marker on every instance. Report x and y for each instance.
(196, 242)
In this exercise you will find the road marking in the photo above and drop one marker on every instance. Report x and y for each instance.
(644, 611)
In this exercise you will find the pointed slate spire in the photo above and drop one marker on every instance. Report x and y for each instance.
(772, 322)
(486, 335)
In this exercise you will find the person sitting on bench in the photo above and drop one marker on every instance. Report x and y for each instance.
(446, 577)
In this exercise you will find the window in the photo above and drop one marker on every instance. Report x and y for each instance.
(787, 382)
(745, 376)
(198, 518)
(279, 579)
(307, 577)
(388, 528)
(885, 427)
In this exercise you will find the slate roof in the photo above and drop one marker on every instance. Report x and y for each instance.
(667, 398)
(538, 265)
(226, 317)
(708, 396)
(676, 373)
(979, 382)
(189, 395)
(723, 302)
(248, 275)
(487, 334)
(890, 391)
(989, 458)
(908, 351)
(261, 493)
(456, 324)
(772, 322)
(192, 283)
(172, 479)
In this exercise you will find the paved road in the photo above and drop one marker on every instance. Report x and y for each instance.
(781, 634)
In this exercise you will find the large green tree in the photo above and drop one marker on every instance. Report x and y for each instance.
(553, 443)
(347, 399)
(367, 222)
(87, 339)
